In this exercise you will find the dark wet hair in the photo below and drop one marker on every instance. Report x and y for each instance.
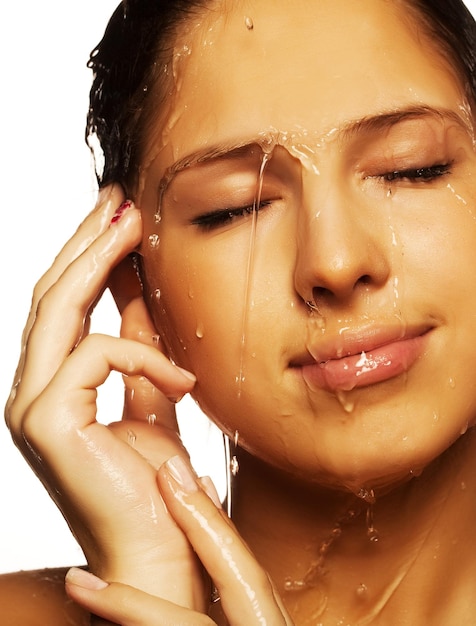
(130, 61)
(126, 65)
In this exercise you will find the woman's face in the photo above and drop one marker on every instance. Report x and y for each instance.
(366, 208)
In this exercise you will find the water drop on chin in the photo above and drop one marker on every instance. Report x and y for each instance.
(346, 404)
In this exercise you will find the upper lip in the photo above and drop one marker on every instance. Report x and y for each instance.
(353, 341)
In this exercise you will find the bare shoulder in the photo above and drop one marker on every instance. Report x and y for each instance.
(37, 598)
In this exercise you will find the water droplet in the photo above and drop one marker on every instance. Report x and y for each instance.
(199, 332)
(234, 465)
(154, 240)
(158, 217)
(361, 590)
(368, 495)
(249, 23)
(344, 401)
(157, 294)
(131, 437)
(152, 418)
(373, 535)
(294, 585)
(451, 383)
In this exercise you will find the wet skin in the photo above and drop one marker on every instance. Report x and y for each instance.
(366, 196)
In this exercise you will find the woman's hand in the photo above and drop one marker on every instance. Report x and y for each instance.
(247, 594)
(103, 477)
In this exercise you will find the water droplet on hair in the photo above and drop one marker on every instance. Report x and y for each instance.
(346, 404)
(154, 240)
(152, 418)
(249, 23)
(145, 88)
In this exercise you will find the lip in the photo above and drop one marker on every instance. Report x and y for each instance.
(361, 358)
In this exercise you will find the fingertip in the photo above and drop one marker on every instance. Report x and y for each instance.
(188, 375)
(77, 577)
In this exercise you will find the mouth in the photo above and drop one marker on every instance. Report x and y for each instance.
(362, 358)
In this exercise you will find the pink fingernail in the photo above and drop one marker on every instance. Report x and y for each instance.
(187, 374)
(182, 473)
(82, 578)
(211, 491)
(120, 211)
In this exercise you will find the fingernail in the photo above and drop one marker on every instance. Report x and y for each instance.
(182, 473)
(175, 399)
(187, 374)
(211, 491)
(82, 578)
(120, 211)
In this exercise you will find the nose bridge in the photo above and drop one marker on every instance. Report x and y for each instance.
(340, 247)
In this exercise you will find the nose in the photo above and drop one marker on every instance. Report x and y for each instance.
(342, 250)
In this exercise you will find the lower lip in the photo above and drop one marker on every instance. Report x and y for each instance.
(367, 368)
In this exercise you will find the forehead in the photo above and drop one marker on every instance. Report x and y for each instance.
(248, 67)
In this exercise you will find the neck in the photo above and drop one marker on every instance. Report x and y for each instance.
(334, 556)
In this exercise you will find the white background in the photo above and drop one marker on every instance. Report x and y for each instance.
(47, 186)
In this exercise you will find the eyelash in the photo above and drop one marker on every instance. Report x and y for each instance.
(418, 175)
(222, 217)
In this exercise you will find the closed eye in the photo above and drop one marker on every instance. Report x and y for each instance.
(418, 175)
(224, 217)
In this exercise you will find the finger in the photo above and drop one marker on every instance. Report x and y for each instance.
(69, 400)
(60, 316)
(246, 591)
(143, 401)
(125, 605)
(96, 223)
(89, 230)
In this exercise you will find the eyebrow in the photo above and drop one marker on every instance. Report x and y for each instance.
(236, 149)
